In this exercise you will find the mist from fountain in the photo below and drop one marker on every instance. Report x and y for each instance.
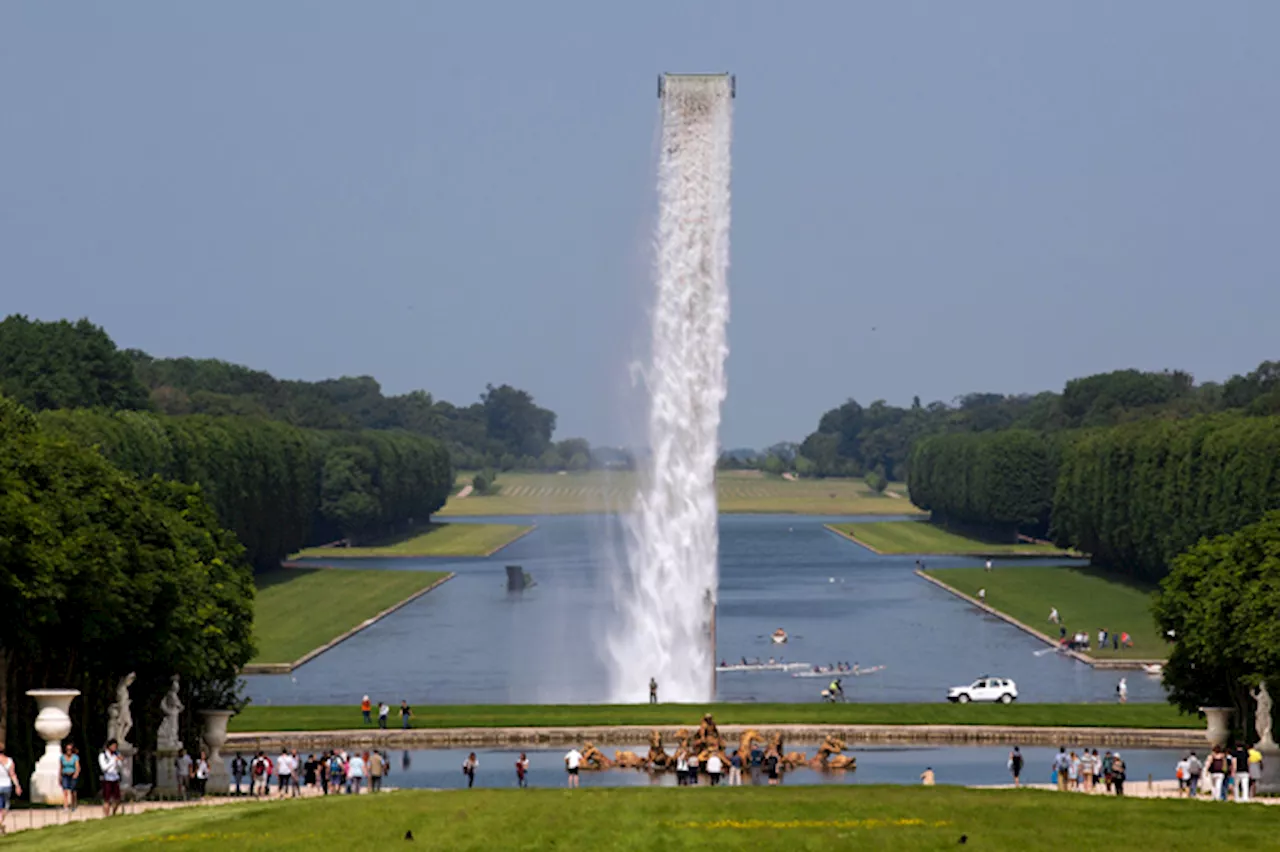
(666, 590)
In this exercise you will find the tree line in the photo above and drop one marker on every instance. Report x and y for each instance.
(103, 573)
(1133, 496)
(856, 440)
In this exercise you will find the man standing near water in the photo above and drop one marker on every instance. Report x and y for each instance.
(653, 691)
(1015, 766)
(572, 761)
(405, 713)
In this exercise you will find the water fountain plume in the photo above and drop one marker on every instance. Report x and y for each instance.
(666, 595)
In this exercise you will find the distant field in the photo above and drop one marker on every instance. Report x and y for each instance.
(436, 540)
(919, 537)
(1086, 599)
(738, 492)
(299, 609)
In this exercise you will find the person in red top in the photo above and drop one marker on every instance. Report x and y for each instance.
(366, 709)
(522, 769)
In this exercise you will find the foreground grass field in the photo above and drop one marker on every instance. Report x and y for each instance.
(738, 492)
(749, 818)
(1086, 599)
(435, 540)
(920, 537)
(330, 718)
(299, 609)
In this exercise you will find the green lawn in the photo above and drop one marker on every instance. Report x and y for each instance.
(337, 718)
(435, 540)
(640, 818)
(738, 492)
(921, 537)
(299, 609)
(1086, 598)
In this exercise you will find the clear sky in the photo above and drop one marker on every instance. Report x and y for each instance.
(929, 198)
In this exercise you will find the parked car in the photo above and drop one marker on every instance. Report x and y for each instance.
(985, 688)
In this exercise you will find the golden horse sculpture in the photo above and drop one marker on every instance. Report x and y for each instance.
(593, 758)
(829, 756)
(789, 760)
(657, 758)
(748, 740)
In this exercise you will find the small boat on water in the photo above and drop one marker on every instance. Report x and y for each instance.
(779, 637)
(1153, 668)
(854, 672)
(763, 667)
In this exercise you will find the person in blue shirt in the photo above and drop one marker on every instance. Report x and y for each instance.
(70, 765)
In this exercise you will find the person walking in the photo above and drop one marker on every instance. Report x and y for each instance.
(296, 787)
(735, 769)
(469, 769)
(1122, 691)
(1240, 769)
(522, 770)
(284, 773)
(10, 786)
(653, 691)
(377, 768)
(239, 769)
(322, 773)
(69, 764)
(1015, 766)
(201, 772)
(572, 761)
(384, 710)
(366, 707)
(1217, 772)
(1194, 770)
(1117, 773)
(1180, 772)
(1107, 761)
(310, 771)
(182, 768)
(405, 713)
(109, 762)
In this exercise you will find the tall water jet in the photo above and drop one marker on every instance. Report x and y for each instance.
(667, 595)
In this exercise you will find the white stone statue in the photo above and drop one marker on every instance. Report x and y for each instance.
(1262, 719)
(170, 706)
(119, 717)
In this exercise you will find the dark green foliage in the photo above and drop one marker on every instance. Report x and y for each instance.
(1001, 481)
(102, 574)
(63, 365)
(1222, 601)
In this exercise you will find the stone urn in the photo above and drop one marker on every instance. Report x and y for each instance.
(53, 724)
(1219, 719)
(215, 737)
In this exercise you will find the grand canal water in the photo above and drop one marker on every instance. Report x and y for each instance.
(470, 641)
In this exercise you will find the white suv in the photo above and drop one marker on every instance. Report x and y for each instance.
(985, 688)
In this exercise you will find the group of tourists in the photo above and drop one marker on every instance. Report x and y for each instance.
(384, 712)
(1230, 774)
(1086, 772)
(333, 771)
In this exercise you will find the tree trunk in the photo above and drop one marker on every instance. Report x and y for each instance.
(4, 693)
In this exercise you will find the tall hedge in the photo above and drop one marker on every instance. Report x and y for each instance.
(1002, 481)
(264, 478)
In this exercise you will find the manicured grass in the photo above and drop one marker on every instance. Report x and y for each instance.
(1086, 598)
(331, 718)
(435, 540)
(737, 491)
(747, 818)
(921, 537)
(299, 609)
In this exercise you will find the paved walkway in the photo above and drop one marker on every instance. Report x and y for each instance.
(1135, 790)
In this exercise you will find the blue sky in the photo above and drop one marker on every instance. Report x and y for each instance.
(443, 195)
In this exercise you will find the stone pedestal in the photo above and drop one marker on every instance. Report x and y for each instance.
(166, 773)
(215, 737)
(53, 724)
(1219, 719)
(127, 753)
(1269, 783)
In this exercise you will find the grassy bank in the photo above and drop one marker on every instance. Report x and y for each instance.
(331, 718)
(300, 609)
(738, 492)
(920, 537)
(1086, 599)
(749, 818)
(434, 540)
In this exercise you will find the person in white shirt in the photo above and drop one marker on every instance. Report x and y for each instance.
(384, 710)
(355, 773)
(714, 766)
(8, 784)
(109, 763)
(182, 769)
(1183, 773)
(202, 773)
(284, 772)
(572, 761)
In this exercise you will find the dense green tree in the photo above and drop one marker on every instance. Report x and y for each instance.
(1221, 602)
(64, 365)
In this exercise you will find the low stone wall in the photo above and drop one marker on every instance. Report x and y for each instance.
(940, 735)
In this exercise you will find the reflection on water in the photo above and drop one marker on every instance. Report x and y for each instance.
(967, 765)
(470, 641)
